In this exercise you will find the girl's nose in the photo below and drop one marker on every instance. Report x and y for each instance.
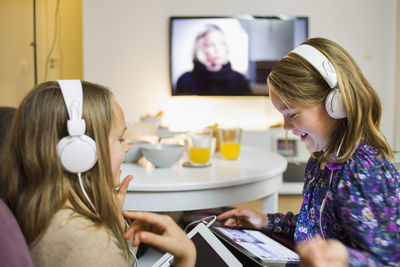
(128, 145)
(287, 125)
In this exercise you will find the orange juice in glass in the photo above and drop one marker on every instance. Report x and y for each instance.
(199, 144)
(199, 155)
(230, 139)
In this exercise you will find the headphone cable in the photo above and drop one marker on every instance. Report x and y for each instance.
(327, 193)
(91, 204)
(85, 194)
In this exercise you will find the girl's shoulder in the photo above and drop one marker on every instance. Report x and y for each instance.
(366, 159)
(67, 221)
(78, 229)
(75, 240)
(368, 170)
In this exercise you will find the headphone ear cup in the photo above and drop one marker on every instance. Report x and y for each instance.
(334, 105)
(77, 153)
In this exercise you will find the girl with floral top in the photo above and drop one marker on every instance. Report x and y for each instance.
(350, 215)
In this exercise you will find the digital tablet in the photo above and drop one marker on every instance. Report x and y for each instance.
(257, 246)
(209, 250)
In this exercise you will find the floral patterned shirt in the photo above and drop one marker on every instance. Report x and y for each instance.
(362, 208)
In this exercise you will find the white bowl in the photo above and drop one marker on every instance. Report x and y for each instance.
(162, 155)
(151, 119)
(135, 152)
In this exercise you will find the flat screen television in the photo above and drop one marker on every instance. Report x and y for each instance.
(229, 56)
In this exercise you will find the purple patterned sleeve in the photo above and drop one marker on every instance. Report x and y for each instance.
(362, 259)
(369, 207)
(282, 223)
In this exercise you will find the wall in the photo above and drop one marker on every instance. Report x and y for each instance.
(397, 90)
(126, 48)
(59, 39)
(16, 51)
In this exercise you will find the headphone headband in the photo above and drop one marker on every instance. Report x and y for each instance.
(73, 99)
(333, 102)
(319, 61)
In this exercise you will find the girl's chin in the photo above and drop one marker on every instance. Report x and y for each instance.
(117, 183)
(117, 179)
(313, 149)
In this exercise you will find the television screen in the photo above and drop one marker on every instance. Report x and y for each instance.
(229, 56)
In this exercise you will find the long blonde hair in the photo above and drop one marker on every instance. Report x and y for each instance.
(33, 183)
(296, 81)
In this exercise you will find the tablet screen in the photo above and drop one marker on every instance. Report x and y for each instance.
(257, 245)
(205, 254)
(209, 250)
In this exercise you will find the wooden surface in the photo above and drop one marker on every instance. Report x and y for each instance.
(285, 203)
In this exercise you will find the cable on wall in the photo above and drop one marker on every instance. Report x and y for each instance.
(57, 29)
(33, 44)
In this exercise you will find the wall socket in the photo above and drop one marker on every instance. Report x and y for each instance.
(54, 63)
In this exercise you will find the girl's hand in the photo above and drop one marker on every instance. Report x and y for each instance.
(162, 232)
(318, 252)
(245, 218)
(120, 196)
(121, 192)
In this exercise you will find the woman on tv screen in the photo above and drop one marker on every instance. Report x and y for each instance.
(212, 73)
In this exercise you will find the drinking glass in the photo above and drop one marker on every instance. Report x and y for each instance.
(230, 139)
(199, 144)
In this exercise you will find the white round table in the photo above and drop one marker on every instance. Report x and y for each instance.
(256, 174)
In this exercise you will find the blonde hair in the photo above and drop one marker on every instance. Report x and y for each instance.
(33, 183)
(296, 81)
(198, 50)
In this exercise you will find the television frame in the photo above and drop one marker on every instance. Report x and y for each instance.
(255, 71)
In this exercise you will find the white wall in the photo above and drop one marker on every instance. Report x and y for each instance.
(397, 91)
(126, 48)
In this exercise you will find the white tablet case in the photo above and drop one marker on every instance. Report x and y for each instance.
(212, 240)
(283, 255)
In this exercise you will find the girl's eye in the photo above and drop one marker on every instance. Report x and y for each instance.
(122, 139)
(294, 115)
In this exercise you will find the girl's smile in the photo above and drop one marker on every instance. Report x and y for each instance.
(310, 122)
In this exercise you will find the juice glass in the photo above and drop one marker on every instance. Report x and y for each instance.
(199, 144)
(230, 139)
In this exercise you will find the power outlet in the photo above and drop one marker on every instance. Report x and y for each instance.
(54, 63)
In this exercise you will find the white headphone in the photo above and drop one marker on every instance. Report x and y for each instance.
(333, 102)
(77, 151)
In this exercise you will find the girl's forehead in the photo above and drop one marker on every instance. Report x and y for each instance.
(281, 103)
(277, 100)
(285, 106)
(118, 114)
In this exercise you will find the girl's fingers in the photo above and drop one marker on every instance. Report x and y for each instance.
(124, 185)
(230, 222)
(144, 216)
(227, 214)
(154, 240)
(136, 239)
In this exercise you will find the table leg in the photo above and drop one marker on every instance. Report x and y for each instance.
(270, 203)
